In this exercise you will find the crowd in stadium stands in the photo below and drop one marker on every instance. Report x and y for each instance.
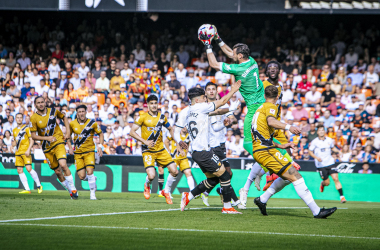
(112, 70)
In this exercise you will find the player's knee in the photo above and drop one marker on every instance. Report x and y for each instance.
(326, 182)
(225, 177)
(228, 169)
(211, 182)
(20, 170)
(81, 176)
(187, 172)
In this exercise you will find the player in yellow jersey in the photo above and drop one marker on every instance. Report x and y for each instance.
(44, 128)
(83, 130)
(181, 160)
(22, 140)
(151, 124)
(266, 153)
(272, 70)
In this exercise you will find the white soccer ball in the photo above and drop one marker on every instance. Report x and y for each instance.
(207, 29)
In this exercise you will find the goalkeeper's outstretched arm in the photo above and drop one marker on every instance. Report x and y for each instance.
(225, 48)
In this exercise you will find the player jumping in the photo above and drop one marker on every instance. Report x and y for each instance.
(197, 123)
(83, 130)
(320, 149)
(153, 147)
(22, 140)
(44, 128)
(272, 70)
(264, 126)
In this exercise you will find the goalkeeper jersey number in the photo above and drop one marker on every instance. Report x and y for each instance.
(252, 88)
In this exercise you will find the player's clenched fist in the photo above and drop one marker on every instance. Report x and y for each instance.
(295, 130)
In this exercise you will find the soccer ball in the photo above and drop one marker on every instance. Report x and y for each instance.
(207, 29)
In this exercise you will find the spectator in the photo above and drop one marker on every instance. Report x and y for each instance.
(370, 77)
(174, 84)
(279, 55)
(351, 58)
(327, 119)
(132, 62)
(116, 80)
(306, 156)
(312, 133)
(312, 97)
(174, 101)
(83, 70)
(304, 126)
(13, 91)
(328, 96)
(288, 95)
(333, 107)
(111, 71)
(356, 76)
(117, 101)
(120, 150)
(299, 112)
(139, 53)
(303, 86)
(25, 89)
(183, 55)
(163, 64)
(126, 72)
(102, 84)
(181, 73)
(354, 139)
(35, 78)
(136, 91)
(24, 61)
(75, 80)
(97, 70)
(149, 62)
(325, 76)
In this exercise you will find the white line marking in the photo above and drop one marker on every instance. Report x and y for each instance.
(135, 212)
(194, 230)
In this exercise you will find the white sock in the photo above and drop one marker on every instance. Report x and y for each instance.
(169, 183)
(24, 181)
(206, 193)
(35, 177)
(276, 187)
(64, 184)
(92, 182)
(227, 204)
(190, 182)
(191, 196)
(147, 181)
(304, 193)
(70, 182)
(255, 171)
(85, 178)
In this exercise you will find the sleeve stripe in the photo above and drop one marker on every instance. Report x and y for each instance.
(213, 123)
(178, 126)
(214, 105)
(167, 125)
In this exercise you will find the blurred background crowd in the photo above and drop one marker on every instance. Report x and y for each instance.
(328, 77)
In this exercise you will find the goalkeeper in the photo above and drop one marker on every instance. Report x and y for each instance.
(246, 70)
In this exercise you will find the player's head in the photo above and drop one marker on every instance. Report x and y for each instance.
(240, 52)
(40, 103)
(152, 102)
(81, 112)
(272, 69)
(211, 91)
(271, 94)
(196, 95)
(321, 131)
(19, 118)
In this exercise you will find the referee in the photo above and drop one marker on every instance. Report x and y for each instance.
(320, 149)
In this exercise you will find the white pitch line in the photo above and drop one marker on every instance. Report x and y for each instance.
(194, 230)
(134, 212)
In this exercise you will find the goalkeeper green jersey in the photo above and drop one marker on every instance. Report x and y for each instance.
(252, 88)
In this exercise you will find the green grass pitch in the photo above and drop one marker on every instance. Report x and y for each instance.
(290, 225)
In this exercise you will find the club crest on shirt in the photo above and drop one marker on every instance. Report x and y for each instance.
(272, 111)
(228, 67)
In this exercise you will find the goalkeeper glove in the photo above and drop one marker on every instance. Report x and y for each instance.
(206, 40)
(217, 37)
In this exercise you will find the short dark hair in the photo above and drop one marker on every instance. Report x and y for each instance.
(20, 114)
(271, 92)
(152, 98)
(81, 107)
(243, 49)
(320, 126)
(195, 92)
(272, 61)
(38, 97)
(211, 84)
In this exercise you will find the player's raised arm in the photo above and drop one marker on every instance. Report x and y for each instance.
(225, 48)
(172, 133)
(234, 88)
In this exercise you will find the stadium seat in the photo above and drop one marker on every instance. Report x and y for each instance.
(194, 60)
(211, 79)
(101, 98)
(309, 110)
(316, 72)
(303, 99)
(375, 102)
(367, 92)
(320, 90)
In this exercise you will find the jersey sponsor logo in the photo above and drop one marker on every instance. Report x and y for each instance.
(246, 72)
(272, 111)
(20, 136)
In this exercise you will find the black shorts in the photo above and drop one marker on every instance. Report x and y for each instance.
(208, 161)
(327, 171)
(220, 151)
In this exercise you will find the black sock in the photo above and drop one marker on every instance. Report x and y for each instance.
(161, 181)
(340, 191)
(200, 188)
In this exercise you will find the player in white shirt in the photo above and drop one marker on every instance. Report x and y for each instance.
(198, 126)
(320, 149)
(83, 69)
(126, 72)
